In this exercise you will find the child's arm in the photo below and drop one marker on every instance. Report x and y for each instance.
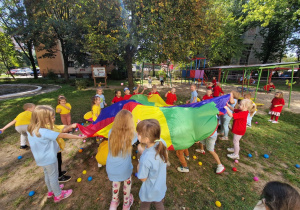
(194, 100)
(278, 105)
(138, 168)
(231, 99)
(70, 136)
(228, 111)
(105, 104)
(68, 108)
(166, 94)
(143, 90)
(58, 110)
(8, 125)
(68, 127)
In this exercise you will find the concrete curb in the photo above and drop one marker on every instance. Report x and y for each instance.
(38, 88)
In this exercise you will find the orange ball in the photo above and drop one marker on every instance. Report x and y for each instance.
(80, 150)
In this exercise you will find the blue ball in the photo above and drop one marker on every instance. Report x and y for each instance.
(20, 157)
(136, 151)
(90, 178)
(31, 193)
(135, 174)
(249, 155)
(82, 123)
(0, 132)
(266, 156)
(297, 166)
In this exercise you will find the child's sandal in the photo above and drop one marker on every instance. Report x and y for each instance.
(200, 151)
(224, 138)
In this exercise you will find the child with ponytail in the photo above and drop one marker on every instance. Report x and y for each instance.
(240, 115)
(152, 168)
(276, 107)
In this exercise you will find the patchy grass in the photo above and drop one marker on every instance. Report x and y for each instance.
(198, 189)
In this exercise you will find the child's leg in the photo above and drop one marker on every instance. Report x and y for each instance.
(115, 191)
(226, 122)
(69, 119)
(276, 118)
(159, 205)
(180, 155)
(59, 162)
(222, 119)
(215, 155)
(145, 205)
(22, 130)
(272, 117)
(63, 118)
(236, 143)
(186, 152)
(126, 191)
(51, 178)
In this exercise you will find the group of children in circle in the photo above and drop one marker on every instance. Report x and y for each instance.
(36, 124)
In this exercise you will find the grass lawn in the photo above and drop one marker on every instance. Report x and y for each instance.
(198, 189)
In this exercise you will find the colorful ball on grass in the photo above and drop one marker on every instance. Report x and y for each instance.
(86, 122)
(194, 157)
(218, 204)
(266, 156)
(20, 157)
(80, 150)
(84, 172)
(133, 157)
(249, 155)
(31, 193)
(78, 179)
(256, 122)
(90, 178)
(0, 132)
(136, 151)
(122, 83)
(82, 123)
(255, 178)
(84, 141)
(236, 161)
(234, 169)
(76, 129)
(297, 166)
(200, 163)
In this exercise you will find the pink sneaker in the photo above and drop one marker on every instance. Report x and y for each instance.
(114, 205)
(64, 194)
(127, 207)
(50, 194)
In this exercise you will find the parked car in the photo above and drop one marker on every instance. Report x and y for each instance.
(37, 71)
(13, 71)
(23, 72)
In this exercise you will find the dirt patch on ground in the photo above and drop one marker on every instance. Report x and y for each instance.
(10, 89)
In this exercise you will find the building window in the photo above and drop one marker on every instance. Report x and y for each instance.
(70, 63)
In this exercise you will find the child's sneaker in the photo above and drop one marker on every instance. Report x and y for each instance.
(230, 149)
(127, 207)
(64, 194)
(114, 205)
(274, 121)
(233, 156)
(64, 178)
(24, 147)
(99, 165)
(220, 169)
(187, 157)
(183, 169)
(270, 120)
(200, 151)
(224, 138)
(50, 194)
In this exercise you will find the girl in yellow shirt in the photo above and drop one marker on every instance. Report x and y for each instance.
(64, 109)
(96, 109)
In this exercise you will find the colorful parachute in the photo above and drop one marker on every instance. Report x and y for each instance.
(181, 126)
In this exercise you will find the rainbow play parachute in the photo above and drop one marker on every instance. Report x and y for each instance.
(181, 126)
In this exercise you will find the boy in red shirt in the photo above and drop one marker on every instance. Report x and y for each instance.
(154, 90)
(208, 95)
(127, 95)
(269, 87)
(171, 97)
(217, 90)
(214, 81)
(117, 97)
(209, 85)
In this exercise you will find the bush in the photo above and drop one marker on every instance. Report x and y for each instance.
(81, 84)
(51, 75)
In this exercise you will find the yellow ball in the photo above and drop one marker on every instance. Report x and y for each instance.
(84, 172)
(218, 204)
(86, 121)
(195, 157)
(79, 180)
(200, 163)
(133, 157)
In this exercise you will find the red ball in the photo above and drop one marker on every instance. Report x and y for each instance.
(234, 169)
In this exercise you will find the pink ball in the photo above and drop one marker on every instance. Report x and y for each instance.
(255, 178)
(84, 141)
(236, 161)
(256, 122)
(122, 84)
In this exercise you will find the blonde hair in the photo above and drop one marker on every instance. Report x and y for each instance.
(251, 107)
(41, 117)
(247, 95)
(280, 94)
(194, 85)
(99, 88)
(122, 133)
(61, 97)
(151, 129)
(28, 105)
(235, 94)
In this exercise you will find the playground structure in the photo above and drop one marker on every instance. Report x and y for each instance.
(247, 72)
(195, 72)
(168, 72)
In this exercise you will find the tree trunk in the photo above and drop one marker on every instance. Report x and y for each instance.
(129, 57)
(153, 68)
(66, 59)
(31, 58)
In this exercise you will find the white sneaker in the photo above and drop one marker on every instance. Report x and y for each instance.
(183, 169)
(220, 169)
(274, 121)
(99, 165)
(230, 149)
(233, 156)
(187, 157)
(168, 163)
(270, 120)
(200, 151)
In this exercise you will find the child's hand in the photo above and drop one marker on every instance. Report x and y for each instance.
(105, 104)
(74, 125)
(58, 110)
(187, 101)
(83, 136)
(1, 130)
(145, 88)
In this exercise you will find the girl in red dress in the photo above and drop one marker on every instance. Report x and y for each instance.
(276, 107)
